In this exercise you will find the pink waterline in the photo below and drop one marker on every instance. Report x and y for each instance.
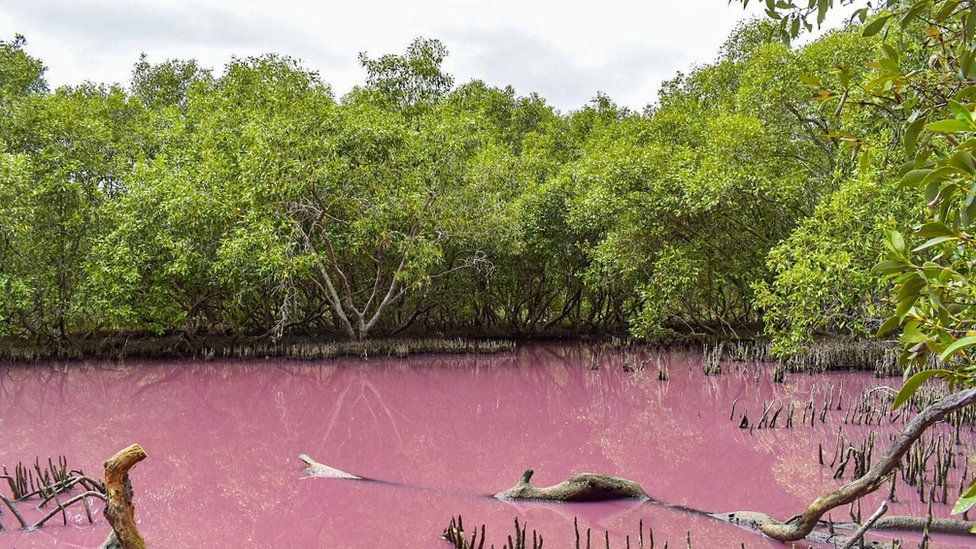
(223, 439)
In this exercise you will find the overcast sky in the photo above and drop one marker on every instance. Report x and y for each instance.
(566, 50)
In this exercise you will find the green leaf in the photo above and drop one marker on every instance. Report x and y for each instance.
(963, 160)
(961, 112)
(933, 242)
(811, 81)
(896, 242)
(890, 52)
(914, 177)
(958, 345)
(963, 504)
(889, 267)
(933, 229)
(874, 27)
(909, 290)
(946, 10)
(912, 385)
(911, 135)
(888, 326)
(949, 125)
(941, 174)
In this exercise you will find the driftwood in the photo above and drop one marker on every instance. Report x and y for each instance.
(317, 469)
(581, 487)
(119, 509)
(917, 524)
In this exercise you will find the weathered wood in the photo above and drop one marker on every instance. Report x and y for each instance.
(859, 534)
(581, 487)
(317, 469)
(916, 524)
(801, 525)
(119, 510)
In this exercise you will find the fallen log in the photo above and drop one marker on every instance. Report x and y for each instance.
(917, 524)
(581, 487)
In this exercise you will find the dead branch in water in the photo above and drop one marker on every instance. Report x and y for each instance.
(867, 525)
(801, 525)
(119, 510)
(47, 484)
(581, 487)
(317, 469)
(62, 506)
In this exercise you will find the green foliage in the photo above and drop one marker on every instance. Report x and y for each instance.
(924, 79)
(821, 274)
(167, 83)
(412, 80)
(20, 74)
(256, 202)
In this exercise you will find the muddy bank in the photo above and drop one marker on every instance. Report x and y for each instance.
(821, 356)
(118, 346)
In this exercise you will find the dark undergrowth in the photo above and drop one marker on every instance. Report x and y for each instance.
(823, 355)
(118, 346)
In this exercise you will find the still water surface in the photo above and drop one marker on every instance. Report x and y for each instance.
(223, 440)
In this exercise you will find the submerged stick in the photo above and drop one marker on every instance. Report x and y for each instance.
(62, 506)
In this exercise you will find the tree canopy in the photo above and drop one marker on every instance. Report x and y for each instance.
(257, 202)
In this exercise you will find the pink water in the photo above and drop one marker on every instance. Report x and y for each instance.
(223, 437)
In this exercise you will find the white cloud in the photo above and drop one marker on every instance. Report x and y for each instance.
(565, 50)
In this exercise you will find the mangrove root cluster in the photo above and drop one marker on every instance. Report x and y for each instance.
(49, 484)
(454, 533)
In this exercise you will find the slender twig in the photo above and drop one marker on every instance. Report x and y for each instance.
(882, 509)
(13, 510)
(64, 505)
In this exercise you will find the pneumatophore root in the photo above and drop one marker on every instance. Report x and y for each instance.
(54, 484)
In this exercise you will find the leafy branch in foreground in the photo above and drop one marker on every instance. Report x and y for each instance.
(932, 268)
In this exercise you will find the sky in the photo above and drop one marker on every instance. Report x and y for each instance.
(566, 50)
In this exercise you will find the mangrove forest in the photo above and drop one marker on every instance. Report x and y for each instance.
(245, 306)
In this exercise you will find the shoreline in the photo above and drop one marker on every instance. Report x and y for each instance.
(827, 354)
